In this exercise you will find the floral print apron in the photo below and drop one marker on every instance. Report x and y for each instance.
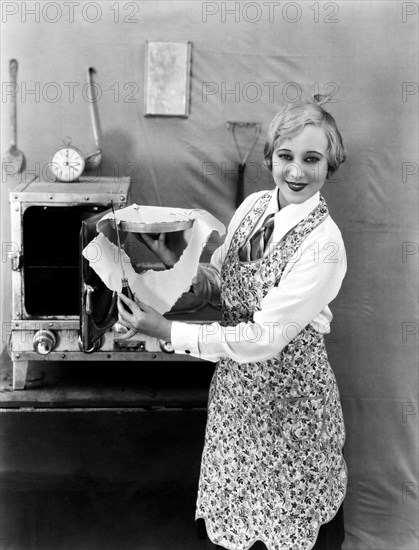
(272, 467)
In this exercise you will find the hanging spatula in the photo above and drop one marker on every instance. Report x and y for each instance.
(14, 155)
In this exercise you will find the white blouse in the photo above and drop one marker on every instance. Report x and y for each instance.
(310, 281)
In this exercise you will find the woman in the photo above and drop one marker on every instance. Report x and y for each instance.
(272, 467)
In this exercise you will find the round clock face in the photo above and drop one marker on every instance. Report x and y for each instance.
(67, 163)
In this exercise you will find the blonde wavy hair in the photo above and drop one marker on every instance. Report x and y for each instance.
(292, 119)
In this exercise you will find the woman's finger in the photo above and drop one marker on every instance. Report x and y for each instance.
(143, 307)
(123, 313)
(129, 334)
(121, 308)
(149, 241)
(146, 237)
(130, 303)
(138, 302)
(123, 322)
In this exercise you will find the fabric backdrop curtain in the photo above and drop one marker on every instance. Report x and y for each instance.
(248, 60)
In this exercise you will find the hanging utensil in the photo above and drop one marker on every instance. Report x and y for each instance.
(14, 155)
(93, 161)
(232, 126)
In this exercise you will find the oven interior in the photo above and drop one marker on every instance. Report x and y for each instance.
(54, 269)
(51, 258)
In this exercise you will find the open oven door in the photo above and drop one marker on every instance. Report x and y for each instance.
(98, 304)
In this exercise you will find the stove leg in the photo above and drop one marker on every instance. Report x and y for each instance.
(20, 368)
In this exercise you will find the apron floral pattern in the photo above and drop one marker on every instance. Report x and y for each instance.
(272, 467)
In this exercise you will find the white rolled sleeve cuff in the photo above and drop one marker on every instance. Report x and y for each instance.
(185, 337)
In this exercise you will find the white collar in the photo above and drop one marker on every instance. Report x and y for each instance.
(290, 215)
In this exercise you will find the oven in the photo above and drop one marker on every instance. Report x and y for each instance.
(61, 309)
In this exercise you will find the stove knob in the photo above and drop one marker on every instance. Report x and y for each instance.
(44, 341)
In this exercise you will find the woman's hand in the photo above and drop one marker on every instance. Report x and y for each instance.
(143, 318)
(159, 247)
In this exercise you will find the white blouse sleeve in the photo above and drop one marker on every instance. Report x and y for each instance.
(307, 286)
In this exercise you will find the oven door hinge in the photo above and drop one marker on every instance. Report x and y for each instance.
(17, 261)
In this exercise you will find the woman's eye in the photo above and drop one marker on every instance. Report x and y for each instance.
(312, 160)
(284, 156)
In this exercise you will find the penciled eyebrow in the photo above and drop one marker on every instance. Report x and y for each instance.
(307, 152)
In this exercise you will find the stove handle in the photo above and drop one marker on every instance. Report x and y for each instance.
(89, 291)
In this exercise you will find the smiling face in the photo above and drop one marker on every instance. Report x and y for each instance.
(299, 165)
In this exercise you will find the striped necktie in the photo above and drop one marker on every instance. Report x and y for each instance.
(254, 247)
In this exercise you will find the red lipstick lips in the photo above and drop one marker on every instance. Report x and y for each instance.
(296, 186)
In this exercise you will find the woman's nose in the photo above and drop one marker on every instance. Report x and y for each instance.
(293, 171)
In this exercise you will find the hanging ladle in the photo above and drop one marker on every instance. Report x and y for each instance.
(93, 161)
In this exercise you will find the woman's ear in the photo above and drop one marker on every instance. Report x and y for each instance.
(330, 172)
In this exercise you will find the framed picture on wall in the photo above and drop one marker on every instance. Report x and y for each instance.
(167, 78)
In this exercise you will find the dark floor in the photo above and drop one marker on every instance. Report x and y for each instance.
(102, 457)
(100, 480)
